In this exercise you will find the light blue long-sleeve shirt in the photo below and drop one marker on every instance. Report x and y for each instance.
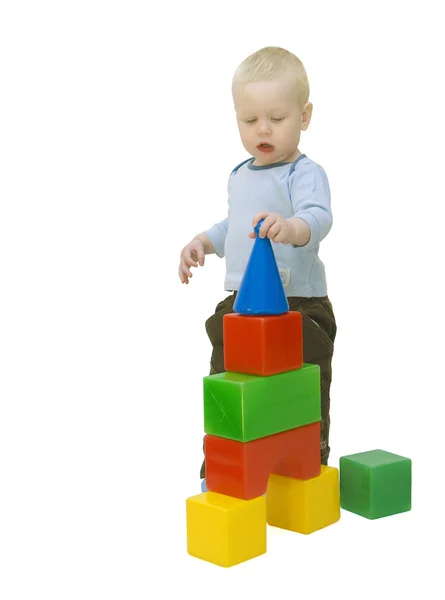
(298, 189)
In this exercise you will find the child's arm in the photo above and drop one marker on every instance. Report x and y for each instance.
(311, 201)
(193, 254)
(208, 242)
(312, 219)
(293, 231)
(217, 236)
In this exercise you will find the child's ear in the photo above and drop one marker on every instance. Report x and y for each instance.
(306, 115)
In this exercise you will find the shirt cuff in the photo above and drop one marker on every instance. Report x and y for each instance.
(218, 237)
(314, 227)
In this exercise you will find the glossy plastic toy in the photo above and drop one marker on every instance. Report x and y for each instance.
(262, 444)
(375, 484)
(261, 291)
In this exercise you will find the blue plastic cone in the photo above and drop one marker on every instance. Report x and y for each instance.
(261, 291)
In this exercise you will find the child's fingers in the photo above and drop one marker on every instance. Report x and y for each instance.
(268, 222)
(188, 260)
(199, 255)
(274, 230)
(185, 270)
(182, 276)
(257, 218)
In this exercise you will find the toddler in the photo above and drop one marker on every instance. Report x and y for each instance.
(290, 193)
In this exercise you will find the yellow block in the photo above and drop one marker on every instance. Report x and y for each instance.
(225, 530)
(304, 506)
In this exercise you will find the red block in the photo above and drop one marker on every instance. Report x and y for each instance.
(242, 469)
(264, 345)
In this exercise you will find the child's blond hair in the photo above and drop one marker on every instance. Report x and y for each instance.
(270, 62)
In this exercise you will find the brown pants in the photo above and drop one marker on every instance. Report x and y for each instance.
(319, 331)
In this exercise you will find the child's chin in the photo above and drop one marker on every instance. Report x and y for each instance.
(264, 157)
(265, 160)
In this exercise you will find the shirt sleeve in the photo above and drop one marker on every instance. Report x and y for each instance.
(311, 201)
(217, 235)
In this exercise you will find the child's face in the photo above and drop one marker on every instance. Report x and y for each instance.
(270, 120)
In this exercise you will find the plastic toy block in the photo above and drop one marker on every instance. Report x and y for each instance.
(375, 484)
(263, 345)
(247, 407)
(242, 469)
(261, 290)
(224, 530)
(304, 506)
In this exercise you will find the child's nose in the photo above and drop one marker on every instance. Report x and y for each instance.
(264, 127)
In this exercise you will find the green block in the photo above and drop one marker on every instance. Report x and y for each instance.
(375, 484)
(247, 407)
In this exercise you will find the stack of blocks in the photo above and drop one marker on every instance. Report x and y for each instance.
(262, 424)
(262, 444)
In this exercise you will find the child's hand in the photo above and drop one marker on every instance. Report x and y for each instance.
(275, 227)
(191, 255)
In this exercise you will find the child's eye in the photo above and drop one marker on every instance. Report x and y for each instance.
(277, 120)
(250, 120)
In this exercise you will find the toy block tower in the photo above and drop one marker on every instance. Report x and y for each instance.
(262, 424)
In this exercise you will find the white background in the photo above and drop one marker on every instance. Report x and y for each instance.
(117, 139)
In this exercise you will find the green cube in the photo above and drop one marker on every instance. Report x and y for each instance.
(375, 484)
(247, 407)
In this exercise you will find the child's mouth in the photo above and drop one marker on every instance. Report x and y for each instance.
(265, 147)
